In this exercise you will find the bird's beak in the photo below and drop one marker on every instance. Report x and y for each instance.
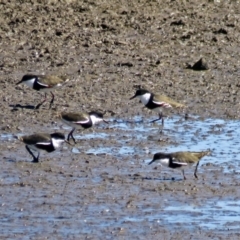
(105, 121)
(151, 162)
(17, 137)
(132, 97)
(19, 82)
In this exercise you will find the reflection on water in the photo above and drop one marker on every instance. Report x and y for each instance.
(213, 214)
(220, 136)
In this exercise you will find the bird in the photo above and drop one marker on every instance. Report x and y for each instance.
(156, 102)
(81, 120)
(43, 83)
(180, 159)
(42, 141)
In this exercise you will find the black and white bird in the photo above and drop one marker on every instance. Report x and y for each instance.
(179, 160)
(81, 120)
(43, 83)
(42, 141)
(156, 102)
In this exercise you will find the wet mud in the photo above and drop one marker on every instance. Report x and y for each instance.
(103, 187)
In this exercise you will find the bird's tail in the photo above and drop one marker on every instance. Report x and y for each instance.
(202, 154)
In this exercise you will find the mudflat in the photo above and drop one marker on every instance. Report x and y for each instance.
(102, 188)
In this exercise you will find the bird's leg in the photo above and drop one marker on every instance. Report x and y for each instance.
(35, 159)
(161, 172)
(195, 172)
(162, 119)
(71, 135)
(41, 103)
(161, 128)
(51, 103)
(184, 175)
(158, 119)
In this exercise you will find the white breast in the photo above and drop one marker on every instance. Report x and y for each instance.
(164, 162)
(30, 82)
(145, 98)
(95, 119)
(57, 142)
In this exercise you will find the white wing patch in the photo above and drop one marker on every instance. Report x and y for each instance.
(163, 104)
(42, 84)
(180, 163)
(43, 143)
(81, 122)
(35, 148)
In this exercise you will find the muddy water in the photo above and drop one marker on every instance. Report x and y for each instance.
(103, 188)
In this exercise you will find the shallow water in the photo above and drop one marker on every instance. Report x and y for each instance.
(220, 136)
(53, 193)
(213, 214)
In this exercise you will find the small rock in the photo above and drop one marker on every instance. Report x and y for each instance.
(200, 65)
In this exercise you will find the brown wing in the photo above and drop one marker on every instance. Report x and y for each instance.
(36, 138)
(75, 117)
(184, 157)
(199, 155)
(163, 98)
(50, 80)
(189, 157)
